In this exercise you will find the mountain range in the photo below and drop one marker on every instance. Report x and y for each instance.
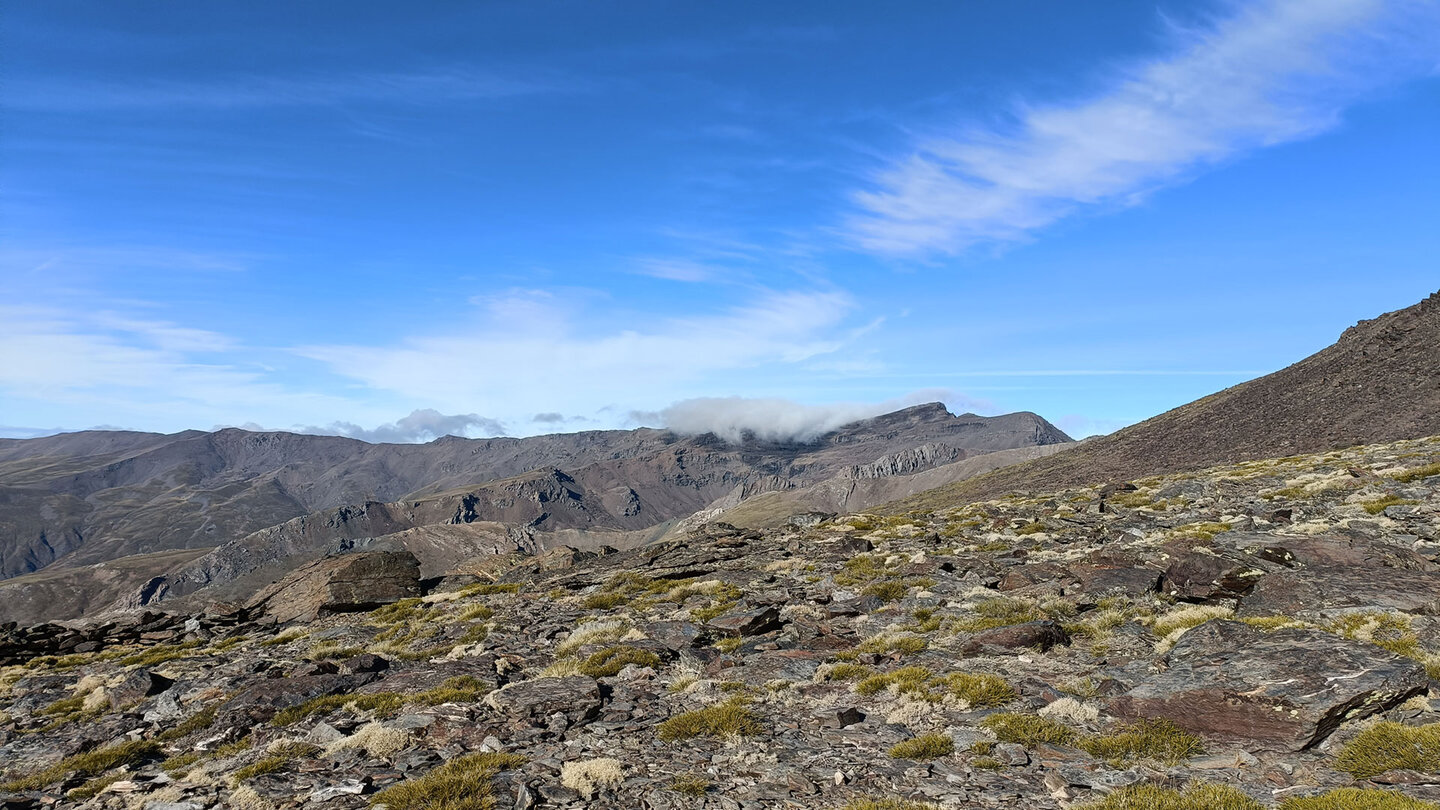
(87, 518)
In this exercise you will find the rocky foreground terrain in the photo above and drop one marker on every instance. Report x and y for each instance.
(1251, 636)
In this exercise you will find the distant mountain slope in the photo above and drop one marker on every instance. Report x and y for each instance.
(83, 498)
(77, 501)
(1380, 382)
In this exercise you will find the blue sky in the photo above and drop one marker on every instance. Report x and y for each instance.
(525, 217)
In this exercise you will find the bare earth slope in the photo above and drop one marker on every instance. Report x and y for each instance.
(1380, 382)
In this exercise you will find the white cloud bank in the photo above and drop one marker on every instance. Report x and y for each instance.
(737, 418)
(532, 349)
(1272, 72)
(421, 425)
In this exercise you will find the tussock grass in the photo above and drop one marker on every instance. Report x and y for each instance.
(1028, 730)
(978, 690)
(1379, 505)
(924, 748)
(1391, 746)
(888, 642)
(1151, 739)
(590, 776)
(463, 783)
(1358, 799)
(611, 660)
(1195, 797)
(1417, 473)
(603, 632)
(730, 719)
(690, 785)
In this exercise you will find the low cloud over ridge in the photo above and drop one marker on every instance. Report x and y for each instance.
(421, 425)
(737, 418)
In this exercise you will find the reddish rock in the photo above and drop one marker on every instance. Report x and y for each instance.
(1201, 576)
(1015, 638)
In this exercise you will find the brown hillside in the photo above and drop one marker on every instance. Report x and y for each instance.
(1380, 382)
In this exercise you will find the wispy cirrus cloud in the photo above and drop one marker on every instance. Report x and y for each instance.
(254, 90)
(1268, 74)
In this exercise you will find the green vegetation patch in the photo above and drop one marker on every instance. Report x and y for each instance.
(924, 748)
(1028, 730)
(92, 763)
(267, 765)
(1417, 473)
(690, 785)
(1155, 739)
(886, 643)
(733, 718)
(611, 660)
(1151, 739)
(463, 783)
(1391, 746)
(887, 591)
(1194, 797)
(1001, 611)
(1358, 799)
(199, 721)
(1379, 505)
(847, 672)
(980, 690)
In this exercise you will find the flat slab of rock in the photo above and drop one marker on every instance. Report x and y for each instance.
(1283, 691)
(348, 582)
(1131, 581)
(1320, 591)
(747, 622)
(577, 697)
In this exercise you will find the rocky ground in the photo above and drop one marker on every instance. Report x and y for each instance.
(1261, 635)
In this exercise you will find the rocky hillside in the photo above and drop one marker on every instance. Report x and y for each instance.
(1379, 382)
(93, 511)
(1262, 635)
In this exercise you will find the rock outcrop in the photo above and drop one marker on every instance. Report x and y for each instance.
(346, 583)
(1287, 690)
